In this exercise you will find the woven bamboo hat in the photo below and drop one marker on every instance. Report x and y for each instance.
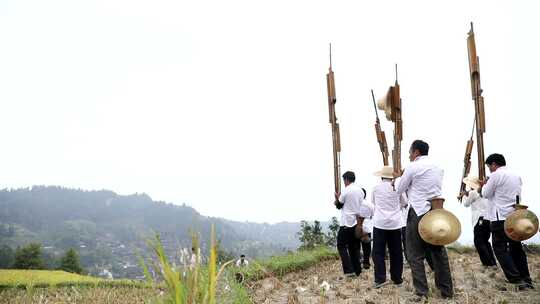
(439, 227)
(521, 225)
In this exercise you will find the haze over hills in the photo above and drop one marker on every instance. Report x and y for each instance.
(108, 229)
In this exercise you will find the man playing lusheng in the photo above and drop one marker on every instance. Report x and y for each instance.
(387, 228)
(422, 181)
(480, 221)
(501, 189)
(353, 213)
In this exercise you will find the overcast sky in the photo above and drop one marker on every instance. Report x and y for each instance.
(222, 104)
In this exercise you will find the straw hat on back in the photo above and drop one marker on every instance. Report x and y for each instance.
(386, 172)
(439, 227)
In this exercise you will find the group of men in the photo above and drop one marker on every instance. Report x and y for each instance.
(410, 194)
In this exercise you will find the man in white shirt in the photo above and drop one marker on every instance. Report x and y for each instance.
(387, 228)
(242, 262)
(422, 181)
(480, 221)
(353, 213)
(501, 190)
(365, 243)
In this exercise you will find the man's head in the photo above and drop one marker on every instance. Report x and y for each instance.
(243, 256)
(495, 161)
(418, 148)
(348, 178)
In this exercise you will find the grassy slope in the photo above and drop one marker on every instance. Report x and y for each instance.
(276, 266)
(67, 285)
(46, 278)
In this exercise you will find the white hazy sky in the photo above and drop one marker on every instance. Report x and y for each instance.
(222, 104)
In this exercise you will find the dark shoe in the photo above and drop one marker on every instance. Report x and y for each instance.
(379, 285)
(523, 286)
(529, 285)
(447, 296)
(398, 282)
(419, 298)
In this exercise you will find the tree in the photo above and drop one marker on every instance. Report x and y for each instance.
(29, 257)
(304, 235)
(6, 256)
(70, 262)
(317, 234)
(223, 255)
(331, 235)
(310, 235)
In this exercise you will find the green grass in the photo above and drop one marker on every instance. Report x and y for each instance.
(283, 264)
(55, 278)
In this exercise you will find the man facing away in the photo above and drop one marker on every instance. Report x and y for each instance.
(365, 243)
(422, 181)
(353, 212)
(387, 228)
(501, 190)
(480, 221)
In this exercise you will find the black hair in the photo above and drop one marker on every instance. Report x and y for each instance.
(349, 176)
(421, 146)
(496, 158)
(243, 256)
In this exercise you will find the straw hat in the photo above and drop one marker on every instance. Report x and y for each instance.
(521, 225)
(386, 172)
(472, 181)
(439, 227)
(384, 105)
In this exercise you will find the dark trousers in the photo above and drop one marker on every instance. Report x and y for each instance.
(348, 247)
(510, 255)
(482, 232)
(404, 241)
(392, 239)
(417, 249)
(366, 251)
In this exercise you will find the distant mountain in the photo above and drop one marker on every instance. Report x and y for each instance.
(109, 229)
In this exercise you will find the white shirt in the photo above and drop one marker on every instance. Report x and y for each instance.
(352, 199)
(404, 215)
(501, 190)
(423, 181)
(241, 263)
(367, 226)
(479, 206)
(387, 213)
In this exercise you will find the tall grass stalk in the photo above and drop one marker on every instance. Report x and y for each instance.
(194, 284)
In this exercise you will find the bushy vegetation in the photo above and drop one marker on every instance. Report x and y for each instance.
(70, 262)
(29, 257)
(312, 235)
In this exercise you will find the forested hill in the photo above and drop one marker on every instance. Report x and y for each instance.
(104, 226)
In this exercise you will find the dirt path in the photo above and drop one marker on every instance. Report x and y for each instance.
(472, 283)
